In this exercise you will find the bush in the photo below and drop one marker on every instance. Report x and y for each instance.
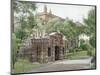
(85, 46)
(77, 49)
(89, 52)
(93, 41)
(70, 50)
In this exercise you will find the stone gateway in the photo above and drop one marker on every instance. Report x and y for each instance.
(49, 48)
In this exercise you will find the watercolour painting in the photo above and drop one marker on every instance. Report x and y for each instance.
(52, 37)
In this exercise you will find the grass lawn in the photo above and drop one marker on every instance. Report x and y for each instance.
(24, 66)
(93, 52)
(79, 54)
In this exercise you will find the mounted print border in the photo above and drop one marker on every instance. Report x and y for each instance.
(52, 37)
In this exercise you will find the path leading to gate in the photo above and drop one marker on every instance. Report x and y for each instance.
(64, 65)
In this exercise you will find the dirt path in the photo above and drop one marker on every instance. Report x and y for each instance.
(64, 65)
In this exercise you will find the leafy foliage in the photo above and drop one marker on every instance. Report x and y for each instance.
(67, 27)
(91, 26)
(93, 41)
(24, 12)
(84, 46)
(14, 49)
(24, 15)
(54, 25)
(91, 22)
(23, 6)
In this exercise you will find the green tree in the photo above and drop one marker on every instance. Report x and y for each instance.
(71, 29)
(24, 12)
(90, 29)
(14, 49)
(23, 6)
(92, 41)
(54, 25)
(90, 23)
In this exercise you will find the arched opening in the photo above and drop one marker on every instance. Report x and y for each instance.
(49, 51)
(38, 53)
(56, 53)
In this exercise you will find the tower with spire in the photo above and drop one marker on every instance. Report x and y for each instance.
(45, 9)
(46, 15)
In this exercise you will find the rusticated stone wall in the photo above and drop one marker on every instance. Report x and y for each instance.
(49, 49)
(46, 49)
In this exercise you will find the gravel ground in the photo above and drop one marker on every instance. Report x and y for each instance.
(64, 65)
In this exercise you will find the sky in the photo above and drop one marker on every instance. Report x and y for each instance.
(74, 12)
